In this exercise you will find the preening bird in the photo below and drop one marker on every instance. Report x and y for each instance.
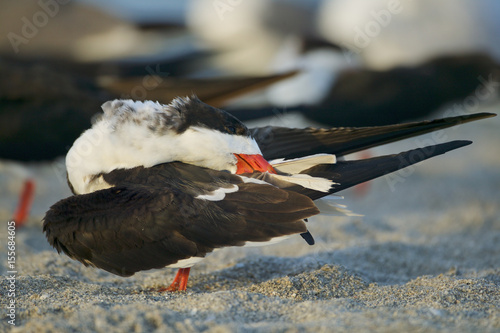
(165, 185)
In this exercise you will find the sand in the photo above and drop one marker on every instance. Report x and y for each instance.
(425, 257)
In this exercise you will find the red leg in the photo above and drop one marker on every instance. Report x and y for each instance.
(25, 200)
(180, 281)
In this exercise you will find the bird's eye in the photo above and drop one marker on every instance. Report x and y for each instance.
(231, 129)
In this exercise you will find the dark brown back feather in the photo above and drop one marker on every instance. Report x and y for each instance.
(151, 218)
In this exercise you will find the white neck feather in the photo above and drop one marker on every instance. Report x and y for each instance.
(110, 145)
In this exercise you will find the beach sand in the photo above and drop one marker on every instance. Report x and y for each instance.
(425, 257)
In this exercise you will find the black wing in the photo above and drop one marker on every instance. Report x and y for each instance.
(145, 221)
(346, 174)
(280, 142)
(349, 173)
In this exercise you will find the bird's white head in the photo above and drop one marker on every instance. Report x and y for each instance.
(131, 133)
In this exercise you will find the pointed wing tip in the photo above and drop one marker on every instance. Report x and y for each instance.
(458, 143)
(465, 142)
(471, 117)
(420, 154)
(486, 114)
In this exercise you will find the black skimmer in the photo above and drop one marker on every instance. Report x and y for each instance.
(365, 97)
(164, 185)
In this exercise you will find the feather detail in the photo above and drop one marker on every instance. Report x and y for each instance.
(304, 180)
(297, 165)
